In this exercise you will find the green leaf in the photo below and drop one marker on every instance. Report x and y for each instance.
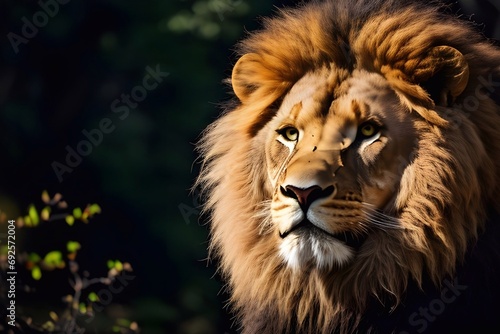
(27, 221)
(53, 259)
(70, 220)
(45, 214)
(93, 297)
(33, 214)
(94, 208)
(34, 257)
(118, 265)
(49, 327)
(73, 246)
(123, 322)
(53, 315)
(77, 213)
(36, 273)
(45, 197)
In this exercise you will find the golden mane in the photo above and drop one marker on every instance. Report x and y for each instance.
(444, 195)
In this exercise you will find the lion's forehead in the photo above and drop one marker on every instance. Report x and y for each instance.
(331, 109)
(310, 93)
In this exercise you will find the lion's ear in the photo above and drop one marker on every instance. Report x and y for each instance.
(444, 74)
(253, 72)
(245, 71)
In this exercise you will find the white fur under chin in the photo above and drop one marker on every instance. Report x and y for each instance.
(299, 249)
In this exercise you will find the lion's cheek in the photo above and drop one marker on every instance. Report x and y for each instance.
(381, 189)
(381, 172)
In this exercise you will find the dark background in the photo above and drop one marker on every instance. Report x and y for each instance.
(63, 80)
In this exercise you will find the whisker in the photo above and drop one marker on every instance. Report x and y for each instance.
(380, 219)
(264, 215)
(378, 213)
(363, 228)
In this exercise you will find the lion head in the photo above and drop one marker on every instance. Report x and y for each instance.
(361, 157)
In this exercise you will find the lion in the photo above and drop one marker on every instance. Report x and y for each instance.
(353, 183)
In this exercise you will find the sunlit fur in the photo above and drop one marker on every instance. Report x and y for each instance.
(442, 196)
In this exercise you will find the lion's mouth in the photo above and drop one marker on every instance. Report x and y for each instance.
(350, 239)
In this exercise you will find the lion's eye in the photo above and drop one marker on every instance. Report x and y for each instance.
(368, 130)
(289, 133)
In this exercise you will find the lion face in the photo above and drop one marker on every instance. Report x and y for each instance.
(334, 157)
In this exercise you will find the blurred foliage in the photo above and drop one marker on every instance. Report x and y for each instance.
(85, 301)
(63, 81)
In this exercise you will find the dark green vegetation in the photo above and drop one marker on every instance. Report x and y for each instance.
(66, 125)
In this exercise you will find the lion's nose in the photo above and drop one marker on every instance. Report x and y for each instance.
(305, 196)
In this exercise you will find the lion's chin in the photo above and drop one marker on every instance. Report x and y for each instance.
(306, 246)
